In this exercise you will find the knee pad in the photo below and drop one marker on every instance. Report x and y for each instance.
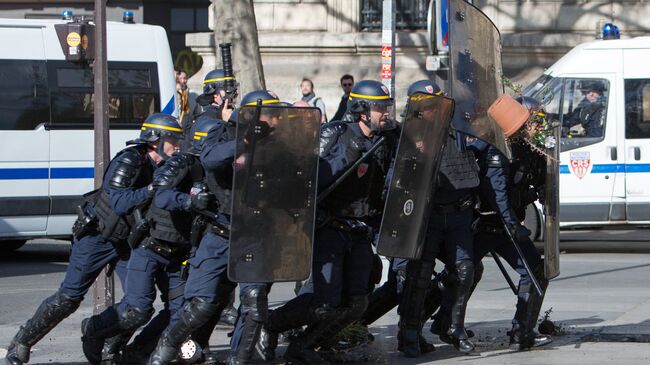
(478, 272)
(198, 311)
(254, 303)
(465, 272)
(133, 318)
(419, 272)
(61, 305)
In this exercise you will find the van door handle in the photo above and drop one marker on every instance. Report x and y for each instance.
(637, 153)
(613, 153)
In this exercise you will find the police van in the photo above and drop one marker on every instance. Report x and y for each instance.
(46, 118)
(599, 93)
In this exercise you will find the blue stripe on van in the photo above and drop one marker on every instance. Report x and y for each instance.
(24, 174)
(169, 108)
(72, 173)
(43, 173)
(612, 168)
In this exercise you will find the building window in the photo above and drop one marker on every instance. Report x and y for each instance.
(410, 14)
(189, 19)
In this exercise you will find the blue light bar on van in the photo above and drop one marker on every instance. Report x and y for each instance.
(127, 17)
(66, 15)
(610, 31)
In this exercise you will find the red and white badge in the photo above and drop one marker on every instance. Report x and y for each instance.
(580, 163)
(362, 169)
(429, 89)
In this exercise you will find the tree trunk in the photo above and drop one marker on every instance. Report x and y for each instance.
(235, 23)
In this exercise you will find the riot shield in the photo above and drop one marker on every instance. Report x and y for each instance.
(552, 211)
(424, 133)
(475, 76)
(274, 194)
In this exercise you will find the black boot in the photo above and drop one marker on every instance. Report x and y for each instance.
(462, 289)
(50, 313)
(412, 306)
(97, 329)
(302, 349)
(299, 311)
(529, 304)
(194, 314)
(381, 301)
(114, 351)
(254, 312)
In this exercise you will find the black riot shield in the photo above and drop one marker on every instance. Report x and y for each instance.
(424, 133)
(552, 211)
(274, 194)
(475, 75)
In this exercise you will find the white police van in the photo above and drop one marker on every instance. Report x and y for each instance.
(605, 148)
(46, 118)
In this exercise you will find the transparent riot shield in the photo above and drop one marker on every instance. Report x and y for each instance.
(475, 76)
(274, 194)
(552, 211)
(424, 133)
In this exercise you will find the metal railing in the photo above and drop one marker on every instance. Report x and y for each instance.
(410, 14)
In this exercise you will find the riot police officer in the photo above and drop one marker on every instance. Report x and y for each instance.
(214, 101)
(157, 258)
(208, 289)
(343, 255)
(507, 188)
(387, 297)
(253, 297)
(102, 229)
(449, 237)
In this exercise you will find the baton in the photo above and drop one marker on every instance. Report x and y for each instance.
(504, 272)
(347, 172)
(514, 242)
(226, 60)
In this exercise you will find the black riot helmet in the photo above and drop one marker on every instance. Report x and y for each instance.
(265, 96)
(215, 80)
(425, 87)
(199, 133)
(159, 127)
(368, 95)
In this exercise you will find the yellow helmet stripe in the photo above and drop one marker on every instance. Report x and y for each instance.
(438, 93)
(197, 138)
(202, 134)
(157, 126)
(218, 79)
(264, 102)
(371, 97)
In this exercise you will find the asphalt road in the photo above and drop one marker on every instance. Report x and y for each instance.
(601, 302)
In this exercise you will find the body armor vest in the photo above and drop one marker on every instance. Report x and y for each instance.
(527, 174)
(361, 194)
(220, 182)
(111, 226)
(174, 226)
(458, 168)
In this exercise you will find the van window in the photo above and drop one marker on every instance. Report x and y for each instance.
(23, 94)
(133, 94)
(637, 108)
(584, 112)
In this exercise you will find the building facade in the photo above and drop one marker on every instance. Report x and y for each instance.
(324, 39)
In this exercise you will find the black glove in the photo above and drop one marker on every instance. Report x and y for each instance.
(201, 201)
(355, 148)
(519, 232)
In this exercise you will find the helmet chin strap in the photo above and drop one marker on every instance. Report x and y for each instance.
(160, 150)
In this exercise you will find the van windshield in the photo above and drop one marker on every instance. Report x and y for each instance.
(579, 105)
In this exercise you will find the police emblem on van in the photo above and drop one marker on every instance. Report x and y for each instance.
(580, 163)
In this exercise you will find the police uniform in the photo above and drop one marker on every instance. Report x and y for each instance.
(343, 255)
(506, 191)
(207, 290)
(158, 258)
(450, 238)
(101, 235)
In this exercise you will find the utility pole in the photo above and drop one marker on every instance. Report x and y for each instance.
(103, 288)
(388, 49)
(235, 23)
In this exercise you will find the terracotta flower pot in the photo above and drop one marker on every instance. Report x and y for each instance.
(508, 114)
